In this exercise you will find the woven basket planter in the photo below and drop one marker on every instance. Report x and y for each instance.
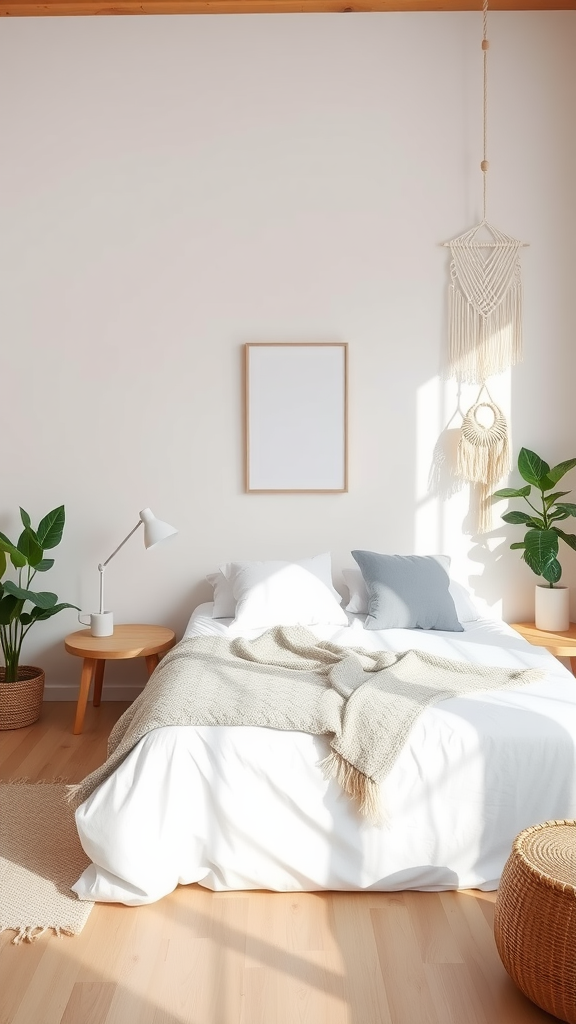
(21, 702)
(535, 916)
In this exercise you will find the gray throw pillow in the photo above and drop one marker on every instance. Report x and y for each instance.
(407, 592)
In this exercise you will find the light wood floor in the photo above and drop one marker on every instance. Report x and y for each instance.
(198, 957)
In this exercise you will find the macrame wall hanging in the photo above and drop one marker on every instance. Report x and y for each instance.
(485, 336)
(485, 317)
(483, 455)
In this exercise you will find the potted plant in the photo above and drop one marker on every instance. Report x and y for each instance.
(22, 686)
(543, 535)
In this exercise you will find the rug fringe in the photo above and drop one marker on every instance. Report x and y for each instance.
(33, 932)
(359, 786)
(60, 780)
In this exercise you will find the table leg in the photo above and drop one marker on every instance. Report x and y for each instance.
(85, 681)
(98, 678)
(151, 662)
(573, 666)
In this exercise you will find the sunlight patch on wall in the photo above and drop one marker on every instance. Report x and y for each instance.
(442, 515)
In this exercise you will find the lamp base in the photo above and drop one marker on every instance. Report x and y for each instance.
(101, 623)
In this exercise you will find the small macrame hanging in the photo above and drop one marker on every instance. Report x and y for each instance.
(483, 456)
(485, 316)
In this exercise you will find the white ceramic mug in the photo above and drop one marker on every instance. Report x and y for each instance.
(101, 623)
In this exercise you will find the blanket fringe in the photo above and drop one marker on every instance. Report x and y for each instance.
(359, 786)
(72, 792)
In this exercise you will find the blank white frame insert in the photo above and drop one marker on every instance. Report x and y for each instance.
(296, 416)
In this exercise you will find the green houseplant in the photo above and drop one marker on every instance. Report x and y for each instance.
(541, 540)
(540, 547)
(20, 608)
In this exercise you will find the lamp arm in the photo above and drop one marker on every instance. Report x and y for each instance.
(103, 565)
(121, 545)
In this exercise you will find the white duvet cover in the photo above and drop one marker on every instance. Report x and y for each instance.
(248, 808)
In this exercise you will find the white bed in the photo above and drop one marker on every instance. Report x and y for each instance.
(248, 808)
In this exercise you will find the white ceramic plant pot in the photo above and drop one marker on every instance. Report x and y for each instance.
(552, 608)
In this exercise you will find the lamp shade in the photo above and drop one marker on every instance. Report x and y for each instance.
(154, 529)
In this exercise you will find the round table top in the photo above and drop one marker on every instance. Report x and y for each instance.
(563, 644)
(127, 641)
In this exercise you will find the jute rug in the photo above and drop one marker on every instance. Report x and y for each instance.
(40, 858)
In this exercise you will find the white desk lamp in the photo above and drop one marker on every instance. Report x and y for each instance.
(102, 622)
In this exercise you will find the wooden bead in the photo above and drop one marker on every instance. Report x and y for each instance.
(485, 44)
(484, 165)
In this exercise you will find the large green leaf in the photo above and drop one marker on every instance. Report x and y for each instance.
(568, 538)
(29, 546)
(17, 558)
(541, 546)
(25, 517)
(518, 517)
(47, 613)
(556, 514)
(515, 492)
(2, 563)
(44, 565)
(43, 599)
(552, 571)
(50, 528)
(568, 507)
(534, 470)
(557, 472)
(7, 606)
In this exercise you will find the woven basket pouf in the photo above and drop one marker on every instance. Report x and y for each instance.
(535, 916)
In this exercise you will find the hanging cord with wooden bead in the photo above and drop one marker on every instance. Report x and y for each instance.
(485, 47)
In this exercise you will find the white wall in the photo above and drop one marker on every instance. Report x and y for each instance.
(171, 188)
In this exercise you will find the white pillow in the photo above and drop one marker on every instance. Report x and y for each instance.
(358, 598)
(466, 610)
(284, 593)
(224, 600)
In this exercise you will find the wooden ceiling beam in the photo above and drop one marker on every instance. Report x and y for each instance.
(54, 8)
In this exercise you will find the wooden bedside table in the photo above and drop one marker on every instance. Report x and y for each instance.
(562, 645)
(147, 642)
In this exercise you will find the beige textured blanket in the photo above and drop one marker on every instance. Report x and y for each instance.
(365, 701)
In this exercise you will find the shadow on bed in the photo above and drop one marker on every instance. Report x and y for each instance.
(552, 783)
(509, 796)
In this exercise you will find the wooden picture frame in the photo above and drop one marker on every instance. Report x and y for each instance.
(296, 409)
